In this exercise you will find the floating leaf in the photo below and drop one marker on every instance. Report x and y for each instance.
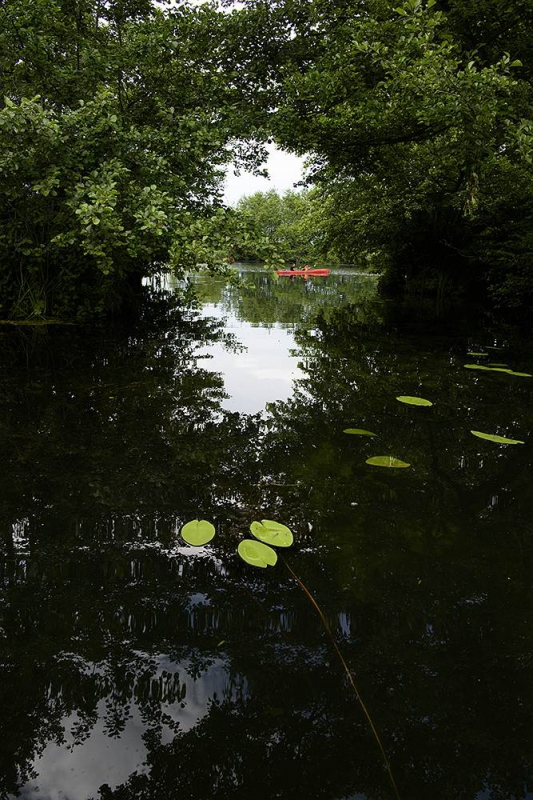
(488, 369)
(273, 533)
(479, 355)
(197, 532)
(359, 432)
(387, 461)
(256, 553)
(499, 439)
(414, 401)
(496, 364)
(498, 369)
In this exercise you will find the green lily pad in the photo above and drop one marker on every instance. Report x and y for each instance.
(479, 355)
(359, 432)
(273, 533)
(387, 461)
(256, 553)
(499, 369)
(499, 439)
(489, 369)
(497, 364)
(414, 401)
(197, 532)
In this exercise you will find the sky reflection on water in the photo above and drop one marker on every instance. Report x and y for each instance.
(264, 372)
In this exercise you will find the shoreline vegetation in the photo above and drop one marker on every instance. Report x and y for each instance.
(117, 124)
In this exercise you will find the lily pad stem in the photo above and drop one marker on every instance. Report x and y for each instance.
(325, 623)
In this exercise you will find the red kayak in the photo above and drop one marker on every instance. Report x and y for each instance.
(315, 272)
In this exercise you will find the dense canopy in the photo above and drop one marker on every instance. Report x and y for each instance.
(119, 119)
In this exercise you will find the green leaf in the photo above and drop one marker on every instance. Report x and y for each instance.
(498, 369)
(273, 533)
(499, 439)
(480, 355)
(487, 369)
(359, 432)
(414, 401)
(197, 532)
(387, 461)
(256, 553)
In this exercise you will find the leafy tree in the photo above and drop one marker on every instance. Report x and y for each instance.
(413, 114)
(117, 122)
(291, 222)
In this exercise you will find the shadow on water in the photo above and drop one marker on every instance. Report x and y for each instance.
(134, 666)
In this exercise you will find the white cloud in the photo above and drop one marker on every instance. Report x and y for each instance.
(284, 169)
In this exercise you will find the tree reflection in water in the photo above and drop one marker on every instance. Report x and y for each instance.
(136, 667)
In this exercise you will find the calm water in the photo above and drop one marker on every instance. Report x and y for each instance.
(134, 666)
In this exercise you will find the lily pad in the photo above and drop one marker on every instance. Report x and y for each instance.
(499, 439)
(273, 533)
(489, 369)
(479, 355)
(414, 401)
(497, 364)
(197, 532)
(359, 432)
(387, 461)
(493, 368)
(256, 553)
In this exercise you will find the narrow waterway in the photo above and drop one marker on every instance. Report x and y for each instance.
(133, 665)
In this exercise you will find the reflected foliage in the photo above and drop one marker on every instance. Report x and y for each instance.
(260, 298)
(431, 561)
(115, 632)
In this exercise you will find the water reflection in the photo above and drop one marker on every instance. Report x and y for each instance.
(86, 751)
(263, 372)
(134, 666)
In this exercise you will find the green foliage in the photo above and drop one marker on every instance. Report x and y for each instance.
(414, 401)
(418, 118)
(198, 532)
(498, 439)
(115, 128)
(387, 461)
(506, 370)
(292, 223)
(257, 554)
(273, 533)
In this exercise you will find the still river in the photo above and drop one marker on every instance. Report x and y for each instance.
(134, 666)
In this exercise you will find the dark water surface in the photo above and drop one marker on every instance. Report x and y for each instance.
(135, 666)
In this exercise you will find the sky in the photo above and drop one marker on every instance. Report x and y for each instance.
(284, 169)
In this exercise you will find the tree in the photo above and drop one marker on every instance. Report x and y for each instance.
(413, 114)
(290, 222)
(117, 122)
